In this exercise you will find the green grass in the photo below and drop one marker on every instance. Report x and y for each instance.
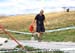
(68, 35)
(37, 50)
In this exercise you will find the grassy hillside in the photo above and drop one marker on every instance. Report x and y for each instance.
(62, 19)
(17, 22)
(55, 20)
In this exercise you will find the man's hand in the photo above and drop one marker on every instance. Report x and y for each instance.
(46, 23)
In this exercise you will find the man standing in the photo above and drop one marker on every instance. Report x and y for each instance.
(39, 20)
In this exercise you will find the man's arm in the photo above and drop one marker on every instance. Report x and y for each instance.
(45, 21)
(34, 21)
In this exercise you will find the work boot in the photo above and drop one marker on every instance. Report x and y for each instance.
(39, 39)
(32, 38)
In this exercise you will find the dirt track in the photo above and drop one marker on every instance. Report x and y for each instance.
(43, 45)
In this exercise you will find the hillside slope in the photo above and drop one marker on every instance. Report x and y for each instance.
(54, 20)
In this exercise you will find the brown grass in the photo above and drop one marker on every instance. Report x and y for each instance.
(55, 20)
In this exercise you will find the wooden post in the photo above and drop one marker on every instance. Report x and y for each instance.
(11, 36)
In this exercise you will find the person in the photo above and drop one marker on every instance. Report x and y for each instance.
(39, 20)
(67, 10)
